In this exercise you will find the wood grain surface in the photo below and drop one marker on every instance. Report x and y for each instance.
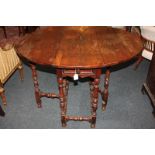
(79, 47)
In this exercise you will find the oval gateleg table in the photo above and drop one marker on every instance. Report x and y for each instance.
(78, 52)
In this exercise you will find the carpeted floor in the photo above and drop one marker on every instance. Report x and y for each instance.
(127, 107)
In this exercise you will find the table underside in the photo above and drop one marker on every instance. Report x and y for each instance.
(63, 85)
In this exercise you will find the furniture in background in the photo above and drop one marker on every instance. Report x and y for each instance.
(4, 30)
(9, 63)
(27, 29)
(22, 30)
(148, 37)
(149, 85)
(135, 29)
(78, 52)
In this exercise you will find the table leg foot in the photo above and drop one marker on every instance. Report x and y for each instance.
(39, 105)
(64, 124)
(92, 125)
(104, 106)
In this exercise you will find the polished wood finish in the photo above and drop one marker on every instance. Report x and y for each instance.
(81, 50)
(74, 47)
(38, 93)
(94, 74)
(105, 93)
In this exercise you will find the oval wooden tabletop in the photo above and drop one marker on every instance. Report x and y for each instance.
(80, 47)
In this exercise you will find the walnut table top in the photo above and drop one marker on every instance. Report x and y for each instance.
(79, 47)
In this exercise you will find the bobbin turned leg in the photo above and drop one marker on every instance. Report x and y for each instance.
(94, 101)
(105, 93)
(36, 86)
(61, 97)
(91, 84)
(65, 90)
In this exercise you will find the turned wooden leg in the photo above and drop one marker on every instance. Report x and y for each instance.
(140, 59)
(65, 90)
(21, 73)
(62, 98)
(105, 93)
(95, 91)
(2, 94)
(91, 84)
(36, 86)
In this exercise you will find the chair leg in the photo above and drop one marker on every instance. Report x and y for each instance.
(2, 94)
(2, 113)
(21, 72)
(140, 59)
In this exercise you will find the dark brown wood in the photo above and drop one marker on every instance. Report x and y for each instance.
(140, 59)
(38, 93)
(36, 86)
(149, 85)
(94, 74)
(148, 45)
(61, 97)
(2, 113)
(4, 30)
(82, 50)
(95, 96)
(19, 30)
(105, 92)
(80, 47)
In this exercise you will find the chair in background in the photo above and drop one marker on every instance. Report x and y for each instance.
(148, 36)
(9, 63)
(20, 30)
(4, 30)
(120, 27)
